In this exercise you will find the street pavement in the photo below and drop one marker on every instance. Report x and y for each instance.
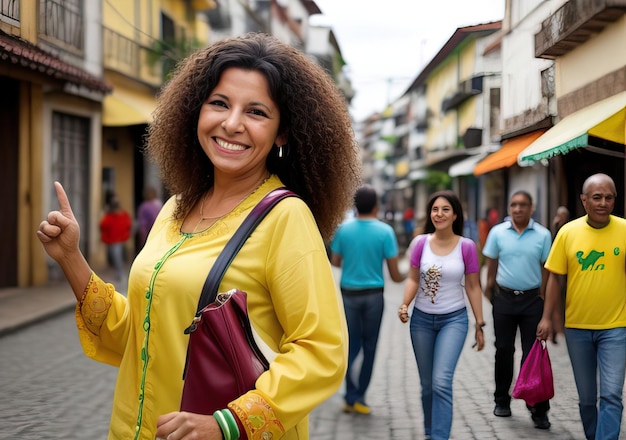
(45, 398)
(394, 393)
(50, 389)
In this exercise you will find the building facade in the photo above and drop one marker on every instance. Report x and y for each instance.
(142, 42)
(50, 118)
(585, 40)
(448, 116)
(554, 111)
(80, 80)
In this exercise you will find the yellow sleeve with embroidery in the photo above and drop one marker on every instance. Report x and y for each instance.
(298, 312)
(102, 306)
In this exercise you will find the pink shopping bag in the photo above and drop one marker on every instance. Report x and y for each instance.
(535, 382)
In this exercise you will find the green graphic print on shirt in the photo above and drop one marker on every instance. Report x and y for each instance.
(590, 261)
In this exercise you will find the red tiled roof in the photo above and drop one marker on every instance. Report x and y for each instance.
(23, 53)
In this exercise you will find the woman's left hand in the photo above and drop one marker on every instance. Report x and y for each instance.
(480, 338)
(185, 425)
(403, 313)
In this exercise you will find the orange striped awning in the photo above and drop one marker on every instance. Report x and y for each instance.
(506, 156)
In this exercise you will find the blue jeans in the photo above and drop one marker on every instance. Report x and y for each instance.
(603, 351)
(437, 344)
(364, 313)
(116, 257)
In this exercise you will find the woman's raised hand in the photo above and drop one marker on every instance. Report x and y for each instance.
(60, 232)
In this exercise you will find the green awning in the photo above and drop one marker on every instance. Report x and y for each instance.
(604, 119)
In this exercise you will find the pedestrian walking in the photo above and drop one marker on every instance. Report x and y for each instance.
(238, 119)
(408, 224)
(591, 252)
(485, 224)
(515, 251)
(360, 247)
(115, 228)
(146, 214)
(444, 268)
(562, 216)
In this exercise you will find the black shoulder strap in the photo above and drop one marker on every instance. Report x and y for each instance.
(213, 280)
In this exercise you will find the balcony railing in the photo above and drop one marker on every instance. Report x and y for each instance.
(130, 58)
(61, 21)
(10, 9)
(467, 89)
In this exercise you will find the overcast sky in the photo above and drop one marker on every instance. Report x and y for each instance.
(387, 43)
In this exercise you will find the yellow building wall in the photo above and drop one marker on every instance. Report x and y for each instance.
(441, 83)
(467, 115)
(27, 28)
(121, 159)
(444, 129)
(179, 11)
(601, 54)
(119, 15)
(467, 67)
(140, 21)
(31, 256)
(36, 103)
(467, 110)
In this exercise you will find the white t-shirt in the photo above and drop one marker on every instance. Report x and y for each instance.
(442, 281)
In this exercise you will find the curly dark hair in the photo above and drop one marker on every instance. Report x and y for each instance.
(457, 208)
(323, 162)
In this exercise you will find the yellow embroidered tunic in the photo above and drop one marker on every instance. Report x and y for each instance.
(293, 306)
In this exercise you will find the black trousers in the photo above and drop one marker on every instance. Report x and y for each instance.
(511, 312)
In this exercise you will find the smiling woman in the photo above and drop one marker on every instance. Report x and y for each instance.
(237, 120)
(444, 270)
(238, 125)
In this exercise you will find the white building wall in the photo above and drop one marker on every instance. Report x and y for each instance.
(317, 42)
(298, 12)
(93, 38)
(521, 77)
(238, 18)
(490, 62)
(521, 9)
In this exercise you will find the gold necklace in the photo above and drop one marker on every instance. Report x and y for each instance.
(219, 217)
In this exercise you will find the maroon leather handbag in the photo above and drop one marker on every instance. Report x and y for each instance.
(223, 360)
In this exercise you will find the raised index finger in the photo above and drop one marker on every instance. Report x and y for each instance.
(64, 203)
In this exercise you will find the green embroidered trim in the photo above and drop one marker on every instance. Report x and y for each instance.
(146, 327)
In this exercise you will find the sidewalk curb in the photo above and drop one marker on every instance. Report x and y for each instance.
(35, 318)
(22, 307)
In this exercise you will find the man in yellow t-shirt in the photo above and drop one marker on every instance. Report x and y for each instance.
(591, 252)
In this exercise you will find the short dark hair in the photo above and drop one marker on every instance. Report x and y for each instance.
(526, 194)
(365, 199)
(457, 208)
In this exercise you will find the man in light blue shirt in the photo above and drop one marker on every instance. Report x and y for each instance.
(359, 247)
(515, 251)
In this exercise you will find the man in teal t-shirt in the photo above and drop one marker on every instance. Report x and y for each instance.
(359, 247)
